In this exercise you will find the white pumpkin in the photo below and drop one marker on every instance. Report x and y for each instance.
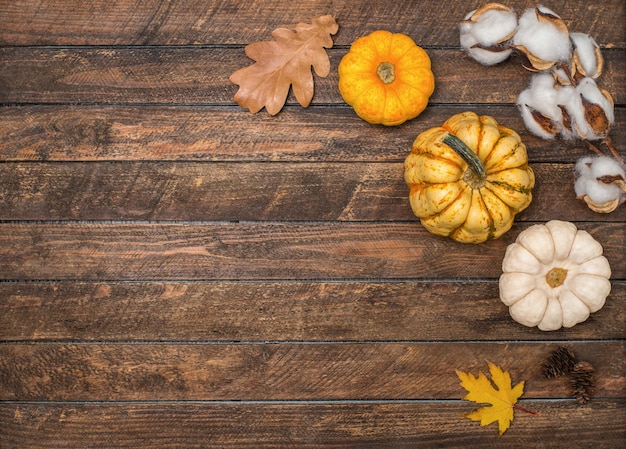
(554, 276)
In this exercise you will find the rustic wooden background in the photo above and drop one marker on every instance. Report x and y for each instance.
(178, 273)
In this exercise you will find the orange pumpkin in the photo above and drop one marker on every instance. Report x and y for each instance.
(386, 78)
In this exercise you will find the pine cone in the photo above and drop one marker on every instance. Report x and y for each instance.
(559, 362)
(582, 381)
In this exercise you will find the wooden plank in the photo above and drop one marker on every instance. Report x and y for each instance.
(235, 191)
(187, 133)
(286, 371)
(279, 311)
(236, 251)
(191, 22)
(361, 424)
(166, 75)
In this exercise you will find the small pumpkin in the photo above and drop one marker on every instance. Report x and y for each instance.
(386, 78)
(554, 276)
(468, 178)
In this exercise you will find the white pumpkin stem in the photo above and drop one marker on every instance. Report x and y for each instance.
(466, 154)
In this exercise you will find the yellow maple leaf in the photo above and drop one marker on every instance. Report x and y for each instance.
(497, 391)
(285, 62)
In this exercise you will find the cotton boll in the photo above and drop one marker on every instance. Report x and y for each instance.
(484, 32)
(603, 168)
(545, 107)
(536, 125)
(596, 191)
(493, 26)
(543, 37)
(590, 92)
(591, 110)
(539, 107)
(587, 58)
(600, 182)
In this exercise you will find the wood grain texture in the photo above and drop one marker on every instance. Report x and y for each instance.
(279, 311)
(166, 75)
(360, 424)
(308, 425)
(187, 133)
(286, 371)
(251, 192)
(236, 251)
(241, 22)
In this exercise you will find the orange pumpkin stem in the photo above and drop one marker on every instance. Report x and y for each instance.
(386, 72)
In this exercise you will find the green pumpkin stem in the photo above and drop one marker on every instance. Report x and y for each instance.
(466, 154)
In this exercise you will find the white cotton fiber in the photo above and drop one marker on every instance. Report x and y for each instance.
(599, 192)
(589, 169)
(492, 27)
(589, 90)
(541, 96)
(603, 166)
(480, 34)
(542, 38)
(532, 125)
(487, 57)
(586, 47)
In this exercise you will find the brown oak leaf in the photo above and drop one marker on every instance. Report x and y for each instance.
(285, 62)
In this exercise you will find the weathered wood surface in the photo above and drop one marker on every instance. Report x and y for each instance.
(176, 272)
(242, 251)
(187, 133)
(193, 22)
(283, 371)
(362, 424)
(336, 191)
(200, 76)
(221, 311)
